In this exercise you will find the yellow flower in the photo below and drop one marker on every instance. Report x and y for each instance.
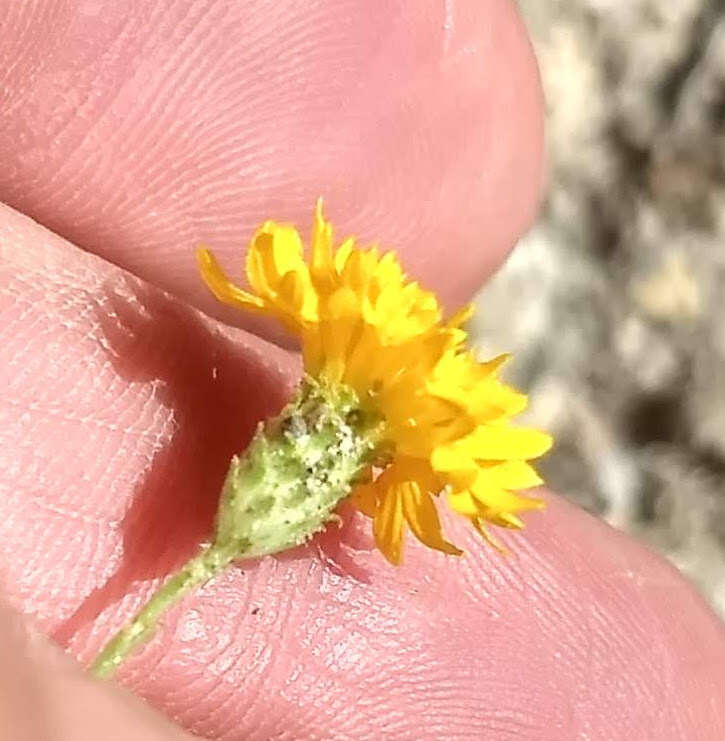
(446, 417)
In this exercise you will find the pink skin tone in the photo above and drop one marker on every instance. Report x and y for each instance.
(137, 129)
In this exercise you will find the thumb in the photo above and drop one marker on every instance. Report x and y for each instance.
(118, 420)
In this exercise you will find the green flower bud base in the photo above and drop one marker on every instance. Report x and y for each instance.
(277, 495)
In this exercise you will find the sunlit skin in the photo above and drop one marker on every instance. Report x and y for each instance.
(150, 126)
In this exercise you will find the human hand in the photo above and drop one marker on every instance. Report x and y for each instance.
(135, 130)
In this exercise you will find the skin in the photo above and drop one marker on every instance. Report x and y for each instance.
(136, 132)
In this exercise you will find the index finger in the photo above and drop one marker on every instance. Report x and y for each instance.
(140, 129)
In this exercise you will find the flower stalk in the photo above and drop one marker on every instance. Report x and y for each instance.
(195, 572)
(277, 495)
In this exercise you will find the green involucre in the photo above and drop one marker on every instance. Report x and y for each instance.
(295, 472)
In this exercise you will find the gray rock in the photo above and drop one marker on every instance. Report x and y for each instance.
(614, 304)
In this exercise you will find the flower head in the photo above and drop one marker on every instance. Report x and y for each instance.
(445, 416)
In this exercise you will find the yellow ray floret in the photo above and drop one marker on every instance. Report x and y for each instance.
(446, 416)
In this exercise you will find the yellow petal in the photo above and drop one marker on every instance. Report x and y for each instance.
(507, 519)
(463, 503)
(222, 288)
(461, 316)
(312, 349)
(297, 296)
(343, 253)
(491, 366)
(499, 442)
(490, 539)
(491, 505)
(405, 469)
(359, 270)
(275, 250)
(495, 498)
(422, 517)
(322, 264)
(388, 526)
(337, 336)
(449, 459)
(509, 475)
(363, 366)
(342, 304)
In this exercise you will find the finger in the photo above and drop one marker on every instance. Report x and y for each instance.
(120, 409)
(137, 130)
(45, 695)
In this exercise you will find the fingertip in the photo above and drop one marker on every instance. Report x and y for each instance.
(44, 694)
(421, 124)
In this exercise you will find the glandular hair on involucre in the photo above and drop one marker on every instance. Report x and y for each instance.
(296, 470)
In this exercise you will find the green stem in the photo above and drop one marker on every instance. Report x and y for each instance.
(197, 571)
(281, 491)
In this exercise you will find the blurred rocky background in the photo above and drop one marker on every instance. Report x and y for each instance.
(614, 304)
